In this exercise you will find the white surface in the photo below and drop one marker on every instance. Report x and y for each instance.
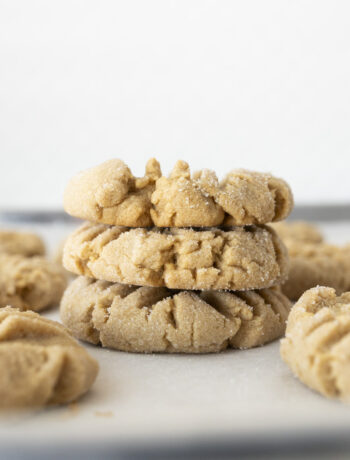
(150, 399)
(223, 84)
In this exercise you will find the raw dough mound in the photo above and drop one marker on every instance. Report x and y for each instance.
(317, 343)
(238, 258)
(110, 194)
(40, 361)
(22, 243)
(316, 264)
(30, 283)
(148, 319)
(298, 231)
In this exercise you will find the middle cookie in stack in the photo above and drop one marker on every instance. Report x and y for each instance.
(204, 288)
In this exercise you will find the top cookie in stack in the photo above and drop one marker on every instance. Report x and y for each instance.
(229, 248)
(110, 194)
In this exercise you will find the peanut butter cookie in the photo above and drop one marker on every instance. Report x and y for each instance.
(40, 362)
(22, 243)
(148, 319)
(298, 231)
(30, 283)
(110, 194)
(238, 258)
(316, 264)
(317, 343)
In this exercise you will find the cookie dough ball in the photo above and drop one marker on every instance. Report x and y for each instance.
(317, 342)
(148, 319)
(40, 362)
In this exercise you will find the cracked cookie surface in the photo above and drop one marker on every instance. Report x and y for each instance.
(41, 363)
(30, 283)
(316, 264)
(148, 319)
(22, 243)
(238, 258)
(317, 342)
(110, 194)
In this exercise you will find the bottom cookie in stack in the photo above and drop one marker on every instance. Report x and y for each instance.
(158, 319)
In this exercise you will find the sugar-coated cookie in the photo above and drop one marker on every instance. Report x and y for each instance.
(148, 319)
(313, 264)
(110, 194)
(40, 361)
(22, 243)
(32, 283)
(237, 258)
(298, 231)
(317, 342)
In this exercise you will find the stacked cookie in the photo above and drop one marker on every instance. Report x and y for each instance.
(175, 264)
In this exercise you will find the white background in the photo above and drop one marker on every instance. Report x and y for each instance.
(223, 84)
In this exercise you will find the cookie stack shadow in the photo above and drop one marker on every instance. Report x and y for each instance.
(181, 264)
